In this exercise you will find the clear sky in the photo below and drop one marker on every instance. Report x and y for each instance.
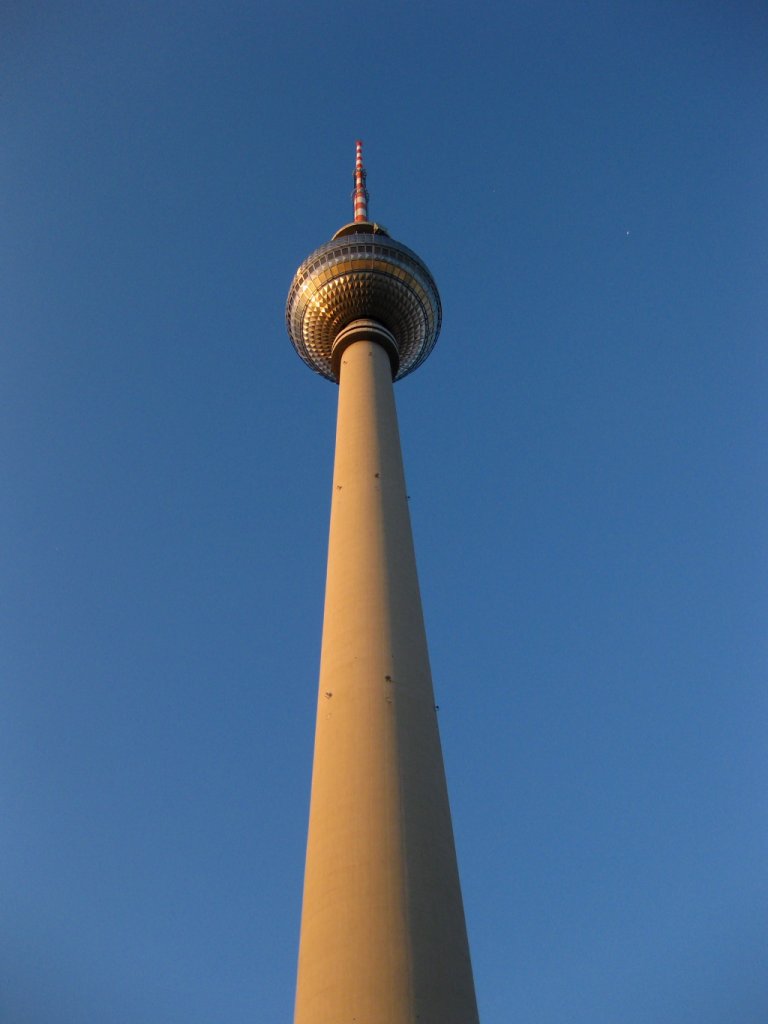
(586, 457)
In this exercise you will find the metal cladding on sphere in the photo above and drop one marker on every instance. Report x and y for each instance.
(363, 274)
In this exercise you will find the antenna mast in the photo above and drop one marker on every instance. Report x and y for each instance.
(360, 194)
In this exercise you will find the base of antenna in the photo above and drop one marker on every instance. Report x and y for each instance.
(361, 227)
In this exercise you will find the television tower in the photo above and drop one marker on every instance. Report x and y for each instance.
(383, 938)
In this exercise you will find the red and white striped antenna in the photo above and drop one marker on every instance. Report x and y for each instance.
(360, 195)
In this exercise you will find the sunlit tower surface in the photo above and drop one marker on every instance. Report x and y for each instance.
(383, 938)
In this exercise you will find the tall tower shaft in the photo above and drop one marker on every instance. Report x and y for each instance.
(383, 938)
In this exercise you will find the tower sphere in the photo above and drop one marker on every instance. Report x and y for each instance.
(363, 275)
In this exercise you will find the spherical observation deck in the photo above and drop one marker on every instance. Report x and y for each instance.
(363, 275)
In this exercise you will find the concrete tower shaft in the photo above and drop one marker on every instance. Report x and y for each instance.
(383, 938)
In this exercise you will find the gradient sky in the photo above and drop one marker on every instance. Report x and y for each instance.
(586, 458)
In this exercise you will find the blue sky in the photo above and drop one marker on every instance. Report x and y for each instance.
(585, 451)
